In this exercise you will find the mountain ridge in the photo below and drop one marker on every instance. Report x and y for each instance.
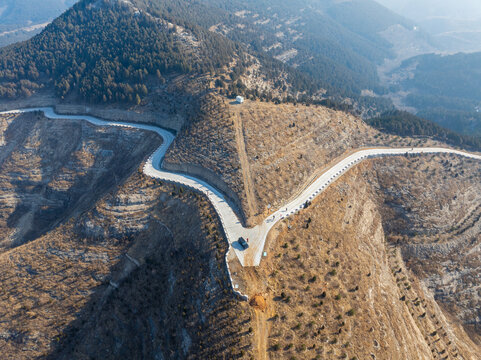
(324, 70)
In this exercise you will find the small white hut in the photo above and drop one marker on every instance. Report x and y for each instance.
(239, 99)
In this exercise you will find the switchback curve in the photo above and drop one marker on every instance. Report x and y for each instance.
(233, 227)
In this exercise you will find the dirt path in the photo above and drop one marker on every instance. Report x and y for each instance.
(261, 334)
(262, 310)
(246, 170)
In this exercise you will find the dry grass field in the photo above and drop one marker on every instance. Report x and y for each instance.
(209, 142)
(266, 153)
(288, 146)
(336, 289)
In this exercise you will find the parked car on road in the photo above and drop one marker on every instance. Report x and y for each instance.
(243, 243)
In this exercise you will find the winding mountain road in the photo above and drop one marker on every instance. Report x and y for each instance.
(233, 227)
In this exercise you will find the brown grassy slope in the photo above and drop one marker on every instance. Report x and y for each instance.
(266, 153)
(51, 170)
(177, 304)
(55, 289)
(333, 292)
(288, 146)
(206, 147)
(432, 208)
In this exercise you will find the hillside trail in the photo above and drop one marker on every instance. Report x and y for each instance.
(262, 311)
(262, 333)
(246, 170)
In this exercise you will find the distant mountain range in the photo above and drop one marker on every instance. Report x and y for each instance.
(21, 19)
(456, 25)
(339, 43)
(425, 9)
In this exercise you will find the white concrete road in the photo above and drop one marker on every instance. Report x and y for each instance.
(232, 226)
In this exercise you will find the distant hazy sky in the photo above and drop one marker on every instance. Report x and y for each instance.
(424, 9)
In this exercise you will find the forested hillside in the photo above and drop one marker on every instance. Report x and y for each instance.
(106, 53)
(405, 124)
(316, 38)
(112, 51)
(445, 89)
(451, 76)
(335, 43)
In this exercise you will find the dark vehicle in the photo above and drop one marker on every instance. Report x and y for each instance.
(243, 243)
